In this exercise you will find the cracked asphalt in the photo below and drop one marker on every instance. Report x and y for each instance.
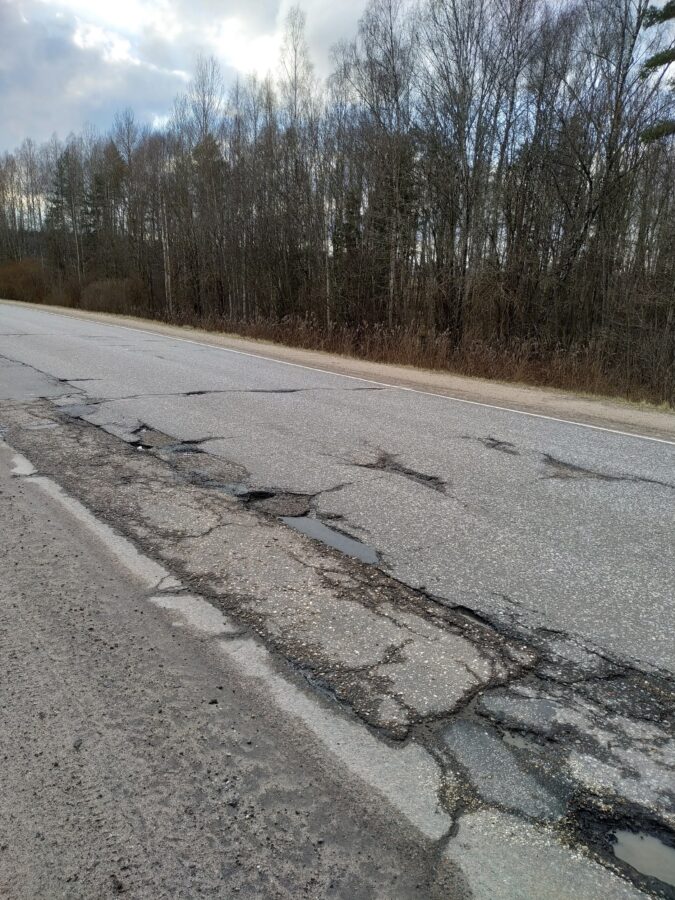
(511, 536)
(510, 631)
(139, 762)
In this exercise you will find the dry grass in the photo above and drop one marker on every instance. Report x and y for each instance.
(25, 280)
(582, 369)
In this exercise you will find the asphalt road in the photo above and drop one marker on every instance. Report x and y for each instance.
(137, 761)
(555, 525)
(466, 692)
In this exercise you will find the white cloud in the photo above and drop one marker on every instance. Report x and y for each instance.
(67, 62)
(113, 48)
(234, 43)
(127, 16)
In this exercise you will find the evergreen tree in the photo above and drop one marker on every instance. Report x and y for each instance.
(657, 16)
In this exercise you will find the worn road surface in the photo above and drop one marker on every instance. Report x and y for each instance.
(138, 759)
(273, 631)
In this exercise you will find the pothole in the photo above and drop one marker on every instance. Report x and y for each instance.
(640, 844)
(281, 503)
(316, 529)
(150, 439)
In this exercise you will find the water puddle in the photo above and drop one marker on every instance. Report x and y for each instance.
(315, 529)
(646, 854)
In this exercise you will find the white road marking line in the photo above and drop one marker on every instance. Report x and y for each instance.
(408, 776)
(197, 613)
(150, 573)
(384, 384)
(140, 566)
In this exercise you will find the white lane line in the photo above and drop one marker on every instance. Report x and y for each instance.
(151, 574)
(197, 613)
(146, 570)
(408, 776)
(384, 384)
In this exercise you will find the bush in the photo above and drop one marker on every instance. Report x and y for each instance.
(124, 296)
(23, 280)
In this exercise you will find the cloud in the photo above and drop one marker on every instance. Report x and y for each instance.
(328, 23)
(66, 63)
(58, 74)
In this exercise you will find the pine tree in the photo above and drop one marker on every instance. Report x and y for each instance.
(657, 16)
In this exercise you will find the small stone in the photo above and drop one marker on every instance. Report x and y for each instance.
(118, 884)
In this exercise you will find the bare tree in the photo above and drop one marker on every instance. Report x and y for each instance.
(470, 187)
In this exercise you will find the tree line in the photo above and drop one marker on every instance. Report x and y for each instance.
(471, 187)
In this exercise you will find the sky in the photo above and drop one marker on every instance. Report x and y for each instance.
(65, 64)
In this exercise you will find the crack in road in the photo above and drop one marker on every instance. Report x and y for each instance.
(511, 662)
(493, 443)
(559, 469)
(103, 401)
(387, 462)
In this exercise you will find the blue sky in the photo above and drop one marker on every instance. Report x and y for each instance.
(66, 63)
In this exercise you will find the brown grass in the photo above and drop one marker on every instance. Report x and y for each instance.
(24, 280)
(582, 369)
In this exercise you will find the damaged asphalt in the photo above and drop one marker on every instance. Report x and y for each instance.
(554, 730)
(495, 527)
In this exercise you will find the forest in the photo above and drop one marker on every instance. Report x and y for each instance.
(480, 185)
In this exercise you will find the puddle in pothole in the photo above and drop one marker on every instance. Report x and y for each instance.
(315, 529)
(646, 854)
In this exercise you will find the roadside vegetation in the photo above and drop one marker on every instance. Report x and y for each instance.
(481, 185)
